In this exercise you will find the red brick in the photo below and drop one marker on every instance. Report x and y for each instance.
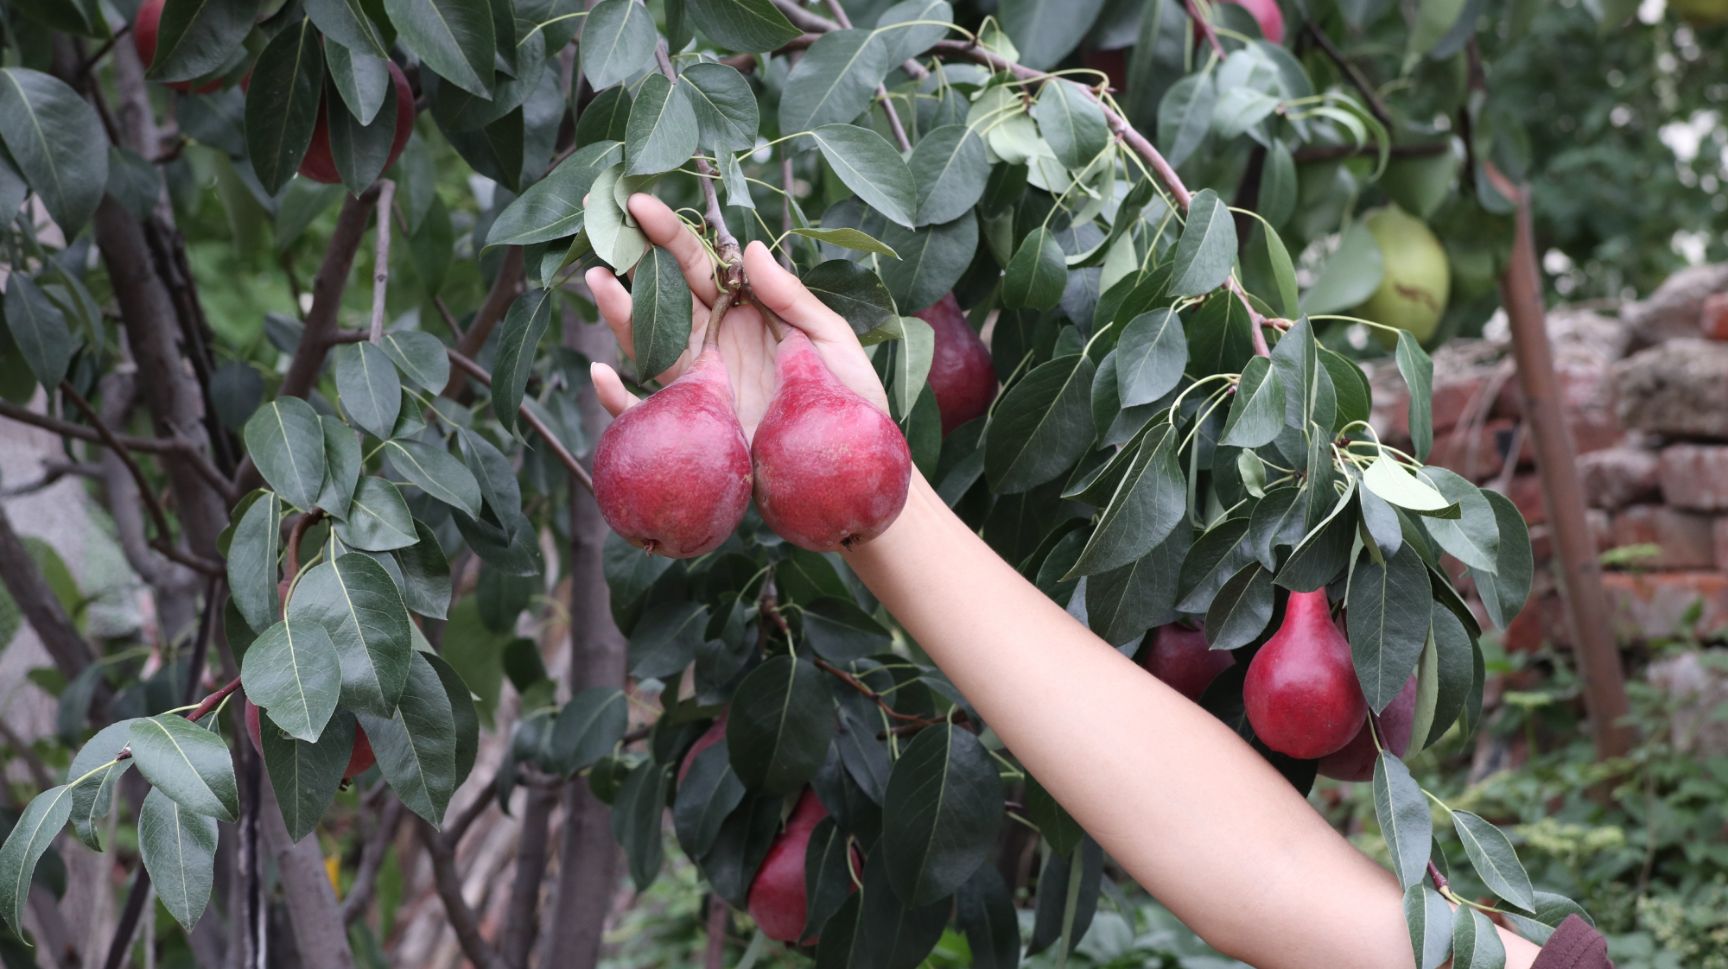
(1525, 490)
(1684, 540)
(1475, 451)
(1695, 476)
(1721, 530)
(1543, 620)
(1714, 318)
(1655, 605)
(1616, 477)
(1582, 388)
(1601, 533)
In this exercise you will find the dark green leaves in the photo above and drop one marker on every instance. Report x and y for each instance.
(660, 311)
(416, 744)
(420, 357)
(552, 207)
(55, 139)
(378, 519)
(39, 329)
(662, 130)
(346, 23)
(194, 39)
(1430, 922)
(587, 728)
(454, 38)
(370, 390)
(292, 672)
(1492, 856)
(782, 720)
(666, 640)
(707, 793)
(519, 338)
(1206, 250)
(358, 605)
(1402, 811)
(435, 472)
(1036, 274)
(30, 839)
(286, 442)
(1072, 122)
(187, 763)
(1146, 506)
(179, 851)
(1475, 944)
(306, 775)
(1257, 414)
(834, 82)
(726, 109)
(282, 103)
(940, 815)
(1241, 609)
(1504, 591)
(1150, 357)
(741, 25)
(1185, 115)
(1040, 426)
(1046, 30)
(949, 169)
(869, 166)
(617, 42)
(1388, 621)
(1418, 372)
(636, 820)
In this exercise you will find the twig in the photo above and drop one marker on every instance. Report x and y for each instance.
(176, 447)
(1205, 28)
(201, 644)
(522, 908)
(38, 771)
(89, 63)
(562, 453)
(718, 916)
(119, 947)
(875, 697)
(381, 257)
(198, 712)
(786, 182)
(1439, 880)
(327, 289)
(894, 124)
(804, 19)
(53, 472)
(1351, 72)
(291, 563)
(456, 829)
(449, 886)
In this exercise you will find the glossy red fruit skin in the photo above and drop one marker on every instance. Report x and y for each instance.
(145, 28)
(1267, 15)
(672, 474)
(1355, 761)
(320, 165)
(358, 760)
(1301, 691)
(778, 900)
(961, 374)
(713, 735)
(831, 469)
(1182, 658)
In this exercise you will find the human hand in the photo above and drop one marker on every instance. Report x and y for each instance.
(746, 340)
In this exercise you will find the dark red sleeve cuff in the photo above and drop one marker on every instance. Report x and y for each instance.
(1574, 945)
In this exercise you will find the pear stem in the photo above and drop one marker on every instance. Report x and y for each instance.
(775, 323)
(717, 316)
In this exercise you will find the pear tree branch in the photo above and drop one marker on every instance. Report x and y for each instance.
(726, 244)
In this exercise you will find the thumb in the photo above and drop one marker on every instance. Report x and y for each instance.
(609, 389)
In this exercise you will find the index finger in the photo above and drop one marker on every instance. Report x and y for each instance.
(663, 228)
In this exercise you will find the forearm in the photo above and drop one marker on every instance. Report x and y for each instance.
(1188, 809)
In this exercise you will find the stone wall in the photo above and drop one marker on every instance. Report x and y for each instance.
(1645, 393)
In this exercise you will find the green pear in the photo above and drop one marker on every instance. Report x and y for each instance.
(1413, 289)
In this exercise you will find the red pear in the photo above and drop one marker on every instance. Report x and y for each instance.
(709, 738)
(778, 899)
(1301, 690)
(320, 165)
(358, 760)
(672, 474)
(1182, 658)
(1267, 15)
(1355, 761)
(961, 374)
(831, 469)
(146, 26)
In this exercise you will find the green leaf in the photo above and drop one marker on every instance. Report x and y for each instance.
(360, 149)
(854, 292)
(949, 169)
(194, 39)
(341, 466)
(940, 815)
(1418, 372)
(30, 839)
(666, 640)
(253, 551)
(747, 26)
(54, 138)
(660, 309)
(984, 913)
(1349, 276)
(726, 110)
(1150, 357)
(40, 331)
(1185, 116)
(305, 775)
(1123, 603)
(1504, 591)
(636, 820)
(840, 632)
(1035, 276)
(1257, 414)
(1040, 426)
(188, 763)
(552, 207)
(291, 671)
(615, 238)
(1216, 556)
(1430, 921)
(1206, 251)
(378, 519)
(1286, 301)
(1045, 31)
(282, 103)
(346, 23)
(370, 390)
(828, 873)
(420, 357)
(1473, 537)
(1391, 481)
(286, 441)
(1072, 122)
(1405, 823)
(361, 80)
(896, 32)
(179, 851)
(1475, 944)
(1067, 900)
(1551, 910)
(874, 929)
(662, 130)
(455, 38)
(1145, 508)
(1241, 609)
(781, 723)
(519, 339)
(1493, 857)
(932, 260)
(913, 354)
(834, 82)
(93, 775)
(435, 472)
(707, 793)
(617, 42)
(847, 238)
(425, 574)
(361, 610)
(1387, 619)
(869, 166)
(416, 744)
(588, 727)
